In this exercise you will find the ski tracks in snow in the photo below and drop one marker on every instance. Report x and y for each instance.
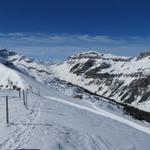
(102, 112)
(24, 130)
(70, 139)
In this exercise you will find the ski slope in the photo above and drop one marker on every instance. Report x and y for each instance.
(55, 121)
(104, 113)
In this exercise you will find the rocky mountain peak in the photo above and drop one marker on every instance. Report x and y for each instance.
(5, 53)
(97, 55)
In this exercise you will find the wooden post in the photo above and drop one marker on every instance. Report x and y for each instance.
(24, 98)
(38, 92)
(7, 111)
(19, 93)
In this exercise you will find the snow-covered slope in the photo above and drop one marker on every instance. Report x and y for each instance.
(39, 70)
(55, 121)
(16, 72)
(10, 78)
(52, 120)
(120, 78)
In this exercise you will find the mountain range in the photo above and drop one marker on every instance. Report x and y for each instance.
(123, 79)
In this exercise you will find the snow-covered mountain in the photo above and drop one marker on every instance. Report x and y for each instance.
(122, 79)
(53, 120)
(18, 71)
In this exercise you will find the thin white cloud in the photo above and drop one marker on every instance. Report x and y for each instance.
(62, 45)
(61, 38)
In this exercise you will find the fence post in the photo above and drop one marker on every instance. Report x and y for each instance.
(19, 93)
(38, 92)
(24, 98)
(7, 111)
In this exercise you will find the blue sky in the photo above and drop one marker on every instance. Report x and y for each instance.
(54, 29)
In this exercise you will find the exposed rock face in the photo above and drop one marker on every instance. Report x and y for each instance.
(120, 78)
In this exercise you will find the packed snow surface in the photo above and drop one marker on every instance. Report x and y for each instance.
(56, 121)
